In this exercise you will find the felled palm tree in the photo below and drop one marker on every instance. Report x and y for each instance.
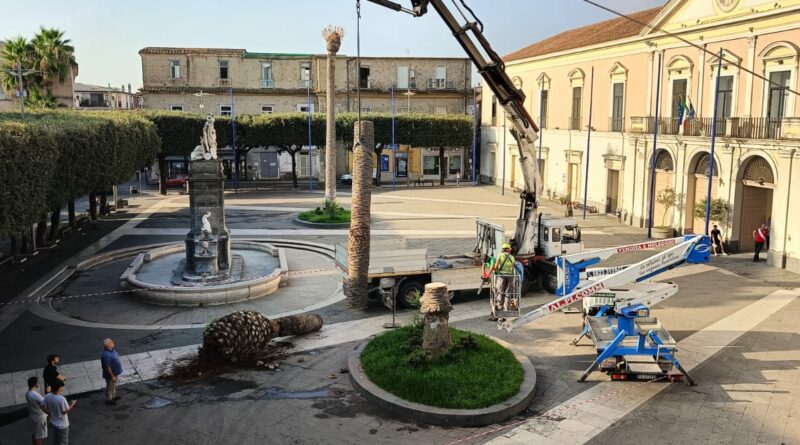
(358, 237)
(333, 38)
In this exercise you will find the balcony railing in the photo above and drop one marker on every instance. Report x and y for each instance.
(266, 83)
(616, 124)
(94, 103)
(305, 83)
(732, 127)
(574, 123)
(440, 84)
(224, 82)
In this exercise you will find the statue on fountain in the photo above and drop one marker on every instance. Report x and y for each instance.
(207, 150)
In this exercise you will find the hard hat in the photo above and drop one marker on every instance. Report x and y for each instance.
(506, 246)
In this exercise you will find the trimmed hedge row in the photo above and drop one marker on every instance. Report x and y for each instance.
(50, 158)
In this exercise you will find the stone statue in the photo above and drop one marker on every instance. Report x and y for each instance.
(206, 230)
(208, 142)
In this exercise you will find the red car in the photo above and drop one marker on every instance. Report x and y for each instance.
(176, 181)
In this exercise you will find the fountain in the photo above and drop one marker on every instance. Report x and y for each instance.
(208, 268)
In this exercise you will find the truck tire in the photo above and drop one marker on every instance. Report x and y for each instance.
(407, 293)
(549, 283)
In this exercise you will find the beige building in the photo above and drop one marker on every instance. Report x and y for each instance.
(610, 70)
(226, 81)
(92, 97)
(63, 93)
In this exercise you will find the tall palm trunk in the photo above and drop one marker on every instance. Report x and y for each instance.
(333, 39)
(358, 239)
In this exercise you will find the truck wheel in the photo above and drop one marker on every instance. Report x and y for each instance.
(451, 295)
(550, 283)
(409, 293)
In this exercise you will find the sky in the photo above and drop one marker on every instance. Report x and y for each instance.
(108, 34)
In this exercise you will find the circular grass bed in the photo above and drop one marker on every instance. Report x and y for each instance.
(322, 217)
(476, 373)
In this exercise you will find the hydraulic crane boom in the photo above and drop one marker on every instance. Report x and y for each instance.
(492, 69)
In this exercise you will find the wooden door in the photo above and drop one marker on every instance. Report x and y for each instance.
(662, 216)
(756, 208)
(612, 191)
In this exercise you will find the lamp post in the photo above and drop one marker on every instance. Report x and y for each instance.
(20, 73)
(201, 95)
(408, 95)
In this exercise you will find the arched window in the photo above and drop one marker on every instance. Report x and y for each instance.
(664, 161)
(701, 168)
(759, 171)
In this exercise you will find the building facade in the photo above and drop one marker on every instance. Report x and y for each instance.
(90, 97)
(226, 81)
(622, 75)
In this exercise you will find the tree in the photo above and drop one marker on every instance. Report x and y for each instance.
(669, 199)
(358, 236)
(54, 59)
(720, 212)
(17, 53)
(333, 39)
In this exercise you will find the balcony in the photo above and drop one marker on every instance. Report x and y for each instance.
(732, 127)
(440, 84)
(304, 83)
(574, 123)
(224, 82)
(86, 103)
(616, 124)
(266, 83)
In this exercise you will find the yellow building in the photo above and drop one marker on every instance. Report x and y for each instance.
(610, 70)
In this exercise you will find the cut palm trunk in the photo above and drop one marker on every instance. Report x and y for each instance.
(436, 308)
(358, 238)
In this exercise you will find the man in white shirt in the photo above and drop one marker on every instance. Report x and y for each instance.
(58, 408)
(37, 415)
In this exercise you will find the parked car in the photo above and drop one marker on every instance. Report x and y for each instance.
(176, 181)
(347, 178)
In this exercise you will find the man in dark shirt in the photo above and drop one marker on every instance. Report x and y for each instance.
(51, 375)
(716, 241)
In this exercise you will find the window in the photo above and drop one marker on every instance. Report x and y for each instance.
(724, 97)
(363, 77)
(266, 109)
(575, 119)
(430, 165)
(679, 87)
(401, 110)
(176, 108)
(225, 110)
(441, 76)
(175, 69)
(305, 75)
(223, 69)
(454, 165)
(266, 74)
(439, 110)
(303, 108)
(366, 109)
(543, 110)
(494, 111)
(402, 77)
(778, 93)
(401, 165)
(617, 107)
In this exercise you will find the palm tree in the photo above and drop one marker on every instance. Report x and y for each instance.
(358, 237)
(54, 56)
(17, 53)
(333, 38)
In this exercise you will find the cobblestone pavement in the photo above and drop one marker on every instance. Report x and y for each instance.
(746, 392)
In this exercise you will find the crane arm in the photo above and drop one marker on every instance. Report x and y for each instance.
(491, 67)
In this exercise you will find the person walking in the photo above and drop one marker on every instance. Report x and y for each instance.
(35, 412)
(51, 375)
(58, 408)
(760, 237)
(112, 369)
(716, 241)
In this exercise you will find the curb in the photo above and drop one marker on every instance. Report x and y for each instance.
(445, 416)
(314, 225)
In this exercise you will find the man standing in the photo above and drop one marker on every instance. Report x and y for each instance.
(112, 368)
(37, 415)
(51, 375)
(716, 241)
(503, 267)
(58, 407)
(760, 236)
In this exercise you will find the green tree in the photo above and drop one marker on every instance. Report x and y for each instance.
(720, 212)
(669, 199)
(17, 52)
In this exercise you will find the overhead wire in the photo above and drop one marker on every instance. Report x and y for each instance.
(686, 41)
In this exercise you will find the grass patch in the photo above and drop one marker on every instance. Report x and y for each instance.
(324, 217)
(476, 373)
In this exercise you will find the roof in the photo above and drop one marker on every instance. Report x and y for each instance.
(79, 87)
(250, 55)
(169, 50)
(601, 32)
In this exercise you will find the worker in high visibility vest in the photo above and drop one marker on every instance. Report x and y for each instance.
(503, 268)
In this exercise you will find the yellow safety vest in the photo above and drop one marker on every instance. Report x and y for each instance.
(505, 263)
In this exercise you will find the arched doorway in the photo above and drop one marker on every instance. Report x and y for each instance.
(697, 190)
(664, 178)
(758, 181)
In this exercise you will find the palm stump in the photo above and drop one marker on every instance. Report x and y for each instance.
(436, 308)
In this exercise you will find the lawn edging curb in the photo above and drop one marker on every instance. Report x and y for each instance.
(314, 225)
(445, 416)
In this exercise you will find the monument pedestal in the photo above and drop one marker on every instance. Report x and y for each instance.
(208, 255)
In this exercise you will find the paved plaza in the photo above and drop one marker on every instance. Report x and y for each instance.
(736, 323)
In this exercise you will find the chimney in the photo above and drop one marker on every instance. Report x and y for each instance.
(130, 91)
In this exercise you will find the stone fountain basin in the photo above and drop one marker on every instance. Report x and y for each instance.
(150, 275)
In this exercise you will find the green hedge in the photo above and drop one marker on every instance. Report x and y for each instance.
(54, 157)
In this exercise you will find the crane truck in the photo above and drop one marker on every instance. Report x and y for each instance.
(630, 343)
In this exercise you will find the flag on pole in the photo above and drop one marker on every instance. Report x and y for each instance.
(691, 108)
(688, 113)
(681, 113)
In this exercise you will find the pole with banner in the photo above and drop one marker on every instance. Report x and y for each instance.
(394, 161)
(653, 160)
(233, 146)
(477, 125)
(310, 151)
(588, 143)
(713, 141)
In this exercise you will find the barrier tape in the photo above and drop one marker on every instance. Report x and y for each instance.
(551, 415)
(123, 291)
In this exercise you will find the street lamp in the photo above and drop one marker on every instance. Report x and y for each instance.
(201, 95)
(21, 93)
(408, 95)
